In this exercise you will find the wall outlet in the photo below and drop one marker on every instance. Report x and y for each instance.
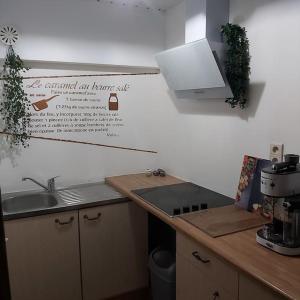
(276, 152)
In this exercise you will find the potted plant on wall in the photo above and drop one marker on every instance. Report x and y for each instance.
(237, 64)
(14, 105)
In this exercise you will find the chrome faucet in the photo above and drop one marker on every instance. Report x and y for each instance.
(51, 184)
(50, 188)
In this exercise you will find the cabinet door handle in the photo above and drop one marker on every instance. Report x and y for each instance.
(216, 295)
(198, 257)
(57, 221)
(86, 217)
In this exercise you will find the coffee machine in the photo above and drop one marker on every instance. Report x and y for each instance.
(280, 183)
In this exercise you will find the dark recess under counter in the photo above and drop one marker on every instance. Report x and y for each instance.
(160, 235)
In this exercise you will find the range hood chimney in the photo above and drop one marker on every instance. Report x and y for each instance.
(197, 68)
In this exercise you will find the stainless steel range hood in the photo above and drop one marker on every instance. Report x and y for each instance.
(197, 68)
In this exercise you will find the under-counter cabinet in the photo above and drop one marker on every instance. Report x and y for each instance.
(113, 250)
(201, 275)
(43, 257)
(98, 252)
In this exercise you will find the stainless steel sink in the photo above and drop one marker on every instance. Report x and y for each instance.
(29, 202)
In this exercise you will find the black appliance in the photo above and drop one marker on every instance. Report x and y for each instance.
(178, 199)
(4, 279)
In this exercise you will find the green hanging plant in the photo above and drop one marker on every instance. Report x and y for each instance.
(14, 105)
(237, 64)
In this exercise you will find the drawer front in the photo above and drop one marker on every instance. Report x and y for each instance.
(191, 284)
(221, 273)
(252, 289)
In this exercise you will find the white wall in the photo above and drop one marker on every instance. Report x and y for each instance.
(204, 141)
(175, 26)
(84, 31)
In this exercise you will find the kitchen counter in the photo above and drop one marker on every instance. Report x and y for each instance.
(281, 273)
(71, 198)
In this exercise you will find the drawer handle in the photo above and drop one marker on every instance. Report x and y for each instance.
(198, 257)
(57, 221)
(92, 219)
(216, 295)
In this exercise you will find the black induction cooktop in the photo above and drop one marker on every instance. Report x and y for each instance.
(177, 199)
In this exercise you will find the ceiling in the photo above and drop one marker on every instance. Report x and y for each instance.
(148, 4)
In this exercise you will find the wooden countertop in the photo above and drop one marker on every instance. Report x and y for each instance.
(280, 273)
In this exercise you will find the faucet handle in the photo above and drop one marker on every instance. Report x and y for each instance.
(51, 184)
(53, 178)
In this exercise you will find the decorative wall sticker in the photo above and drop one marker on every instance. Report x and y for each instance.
(91, 75)
(42, 104)
(80, 107)
(8, 35)
(113, 102)
(84, 110)
(88, 143)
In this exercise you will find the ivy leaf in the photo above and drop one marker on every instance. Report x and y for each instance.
(14, 107)
(237, 64)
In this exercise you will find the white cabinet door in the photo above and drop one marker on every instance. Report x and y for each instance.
(43, 257)
(113, 241)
